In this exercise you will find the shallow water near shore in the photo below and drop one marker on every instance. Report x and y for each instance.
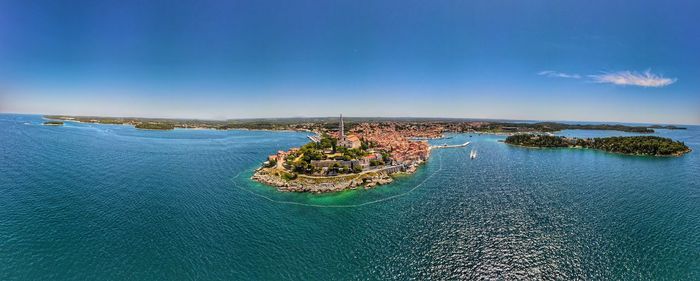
(110, 202)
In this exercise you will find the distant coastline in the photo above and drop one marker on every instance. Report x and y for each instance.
(319, 124)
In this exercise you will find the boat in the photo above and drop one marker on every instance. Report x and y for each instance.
(472, 154)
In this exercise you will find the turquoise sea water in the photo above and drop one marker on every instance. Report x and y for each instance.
(109, 202)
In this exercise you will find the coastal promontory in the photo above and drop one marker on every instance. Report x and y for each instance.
(369, 155)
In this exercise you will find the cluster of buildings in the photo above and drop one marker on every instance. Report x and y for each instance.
(326, 166)
(350, 141)
(397, 140)
(387, 145)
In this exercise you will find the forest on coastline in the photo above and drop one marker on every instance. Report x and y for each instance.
(634, 145)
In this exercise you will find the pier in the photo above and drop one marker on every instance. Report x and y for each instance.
(449, 146)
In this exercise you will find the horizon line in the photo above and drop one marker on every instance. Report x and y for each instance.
(366, 117)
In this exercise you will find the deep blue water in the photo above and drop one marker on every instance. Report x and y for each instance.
(109, 202)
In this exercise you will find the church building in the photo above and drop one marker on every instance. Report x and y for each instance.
(349, 141)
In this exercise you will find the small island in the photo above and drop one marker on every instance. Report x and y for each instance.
(633, 145)
(369, 156)
(53, 123)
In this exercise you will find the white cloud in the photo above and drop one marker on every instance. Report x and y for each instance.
(644, 79)
(555, 74)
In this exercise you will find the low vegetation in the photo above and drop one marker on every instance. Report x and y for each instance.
(667, 127)
(155, 126)
(555, 127)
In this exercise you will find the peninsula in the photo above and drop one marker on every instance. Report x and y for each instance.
(368, 156)
(633, 145)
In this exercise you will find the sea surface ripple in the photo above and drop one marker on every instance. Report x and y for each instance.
(109, 202)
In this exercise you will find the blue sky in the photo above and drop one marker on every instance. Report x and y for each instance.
(625, 61)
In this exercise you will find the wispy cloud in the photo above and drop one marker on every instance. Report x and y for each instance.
(624, 78)
(555, 74)
(644, 79)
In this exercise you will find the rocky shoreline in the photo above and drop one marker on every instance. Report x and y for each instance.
(301, 183)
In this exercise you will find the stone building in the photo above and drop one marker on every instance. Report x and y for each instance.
(349, 141)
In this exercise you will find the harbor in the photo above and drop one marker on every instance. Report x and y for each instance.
(449, 145)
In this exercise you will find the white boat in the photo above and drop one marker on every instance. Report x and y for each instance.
(472, 154)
